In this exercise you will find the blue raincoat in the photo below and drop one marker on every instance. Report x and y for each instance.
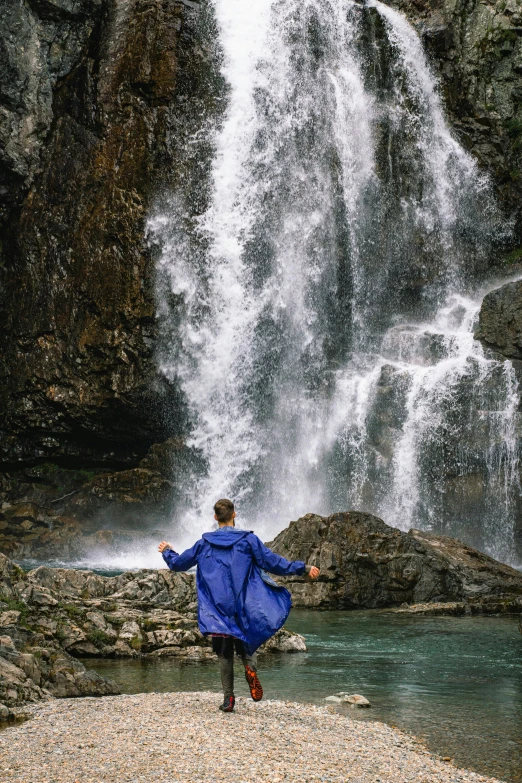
(234, 596)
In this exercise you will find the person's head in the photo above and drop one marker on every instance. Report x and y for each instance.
(224, 512)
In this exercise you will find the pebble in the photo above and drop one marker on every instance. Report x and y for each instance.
(183, 738)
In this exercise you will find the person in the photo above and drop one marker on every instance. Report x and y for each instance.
(239, 605)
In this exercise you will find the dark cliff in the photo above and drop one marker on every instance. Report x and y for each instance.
(89, 93)
(97, 99)
(475, 47)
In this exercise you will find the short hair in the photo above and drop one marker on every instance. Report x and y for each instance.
(224, 509)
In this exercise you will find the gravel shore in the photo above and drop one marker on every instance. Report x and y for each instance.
(183, 738)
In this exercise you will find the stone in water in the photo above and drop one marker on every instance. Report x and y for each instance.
(355, 699)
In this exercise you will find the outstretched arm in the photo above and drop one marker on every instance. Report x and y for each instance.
(182, 562)
(274, 564)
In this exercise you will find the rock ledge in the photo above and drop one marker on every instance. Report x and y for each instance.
(52, 616)
(366, 564)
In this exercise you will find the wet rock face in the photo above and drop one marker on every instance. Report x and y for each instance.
(500, 330)
(86, 90)
(500, 320)
(50, 512)
(476, 48)
(367, 564)
(41, 42)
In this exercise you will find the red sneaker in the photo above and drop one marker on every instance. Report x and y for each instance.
(228, 704)
(256, 690)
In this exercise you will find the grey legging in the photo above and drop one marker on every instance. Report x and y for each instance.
(224, 647)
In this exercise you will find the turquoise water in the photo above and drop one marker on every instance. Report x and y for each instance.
(456, 682)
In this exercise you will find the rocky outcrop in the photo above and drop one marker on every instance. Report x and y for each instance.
(146, 492)
(30, 672)
(33, 665)
(365, 564)
(48, 512)
(476, 48)
(52, 616)
(53, 512)
(30, 532)
(500, 320)
(136, 613)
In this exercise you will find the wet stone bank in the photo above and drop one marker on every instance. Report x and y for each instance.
(50, 617)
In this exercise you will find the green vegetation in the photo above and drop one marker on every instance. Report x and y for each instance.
(117, 621)
(16, 606)
(61, 480)
(73, 611)
(60, 633)
(51, 469)
(99, 638)
(135, 643)
(148, 625)
(87, 475)
(515, 257)
(506, 34)
(514, 131)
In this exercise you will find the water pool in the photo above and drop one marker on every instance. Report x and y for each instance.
(456, 682)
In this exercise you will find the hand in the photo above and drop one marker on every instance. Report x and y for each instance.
(164, 546)
(314, 572)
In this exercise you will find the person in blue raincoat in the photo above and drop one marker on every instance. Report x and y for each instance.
(238, 604)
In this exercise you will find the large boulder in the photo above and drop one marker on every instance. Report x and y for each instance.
(500, 320)
(366, 564)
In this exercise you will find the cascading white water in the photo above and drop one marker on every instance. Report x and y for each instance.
(457, 435)
(320, 347)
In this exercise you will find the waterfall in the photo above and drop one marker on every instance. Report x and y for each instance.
(320, 307)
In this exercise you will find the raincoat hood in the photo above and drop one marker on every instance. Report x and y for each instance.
(225, 537)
